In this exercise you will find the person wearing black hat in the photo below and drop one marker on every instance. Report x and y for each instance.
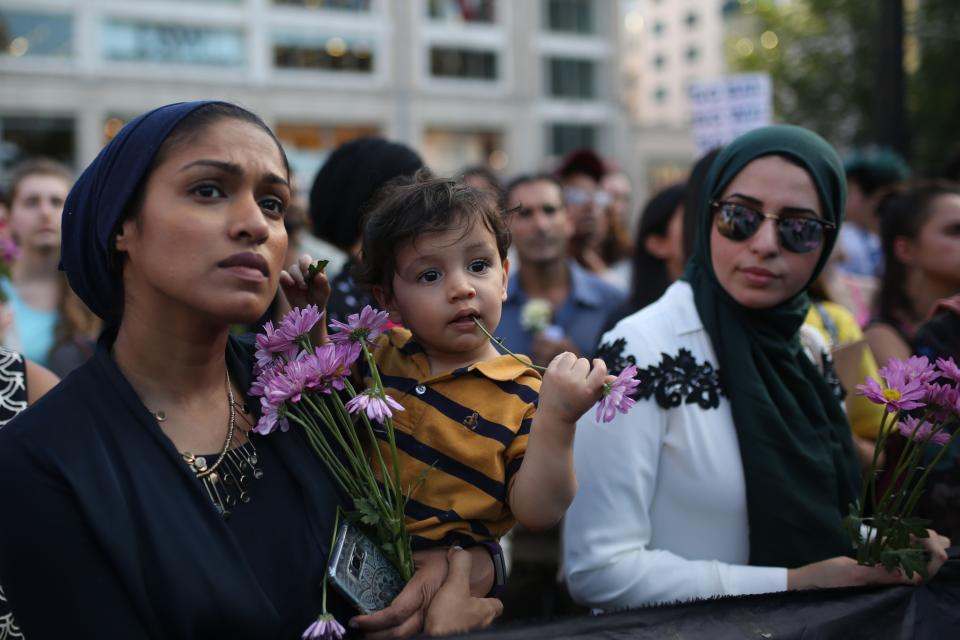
(113, 524)
(341, 193)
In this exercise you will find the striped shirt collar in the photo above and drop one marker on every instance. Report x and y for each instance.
(502, 368)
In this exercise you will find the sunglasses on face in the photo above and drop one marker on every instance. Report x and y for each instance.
(576, 197)
(798, 233)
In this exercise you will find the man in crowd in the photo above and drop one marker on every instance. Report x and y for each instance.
(553, 304)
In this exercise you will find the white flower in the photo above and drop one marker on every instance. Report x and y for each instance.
(536, 314)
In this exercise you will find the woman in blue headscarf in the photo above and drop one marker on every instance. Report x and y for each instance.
(107, 527)
(734, 470)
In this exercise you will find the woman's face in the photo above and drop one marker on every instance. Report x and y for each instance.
(936, 249)
(758, 272)
(210, 239)
(36, 209)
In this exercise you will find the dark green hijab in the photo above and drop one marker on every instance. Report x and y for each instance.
(798, 460)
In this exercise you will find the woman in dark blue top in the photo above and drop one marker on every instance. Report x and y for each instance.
(136, 502)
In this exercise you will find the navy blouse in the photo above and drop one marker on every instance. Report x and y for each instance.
(105, 532)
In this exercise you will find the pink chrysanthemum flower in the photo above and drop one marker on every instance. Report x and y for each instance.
(288, 384)
(377, 406)
(912, 428)
(298, 322)
(325, 627)
(948, 369)
(914, 368)
(272, 344)
(616, 395)
(364, 326)
(271, 418)
(906, 384)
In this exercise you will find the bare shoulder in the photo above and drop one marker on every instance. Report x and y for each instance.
(886, 343)
(39, 381)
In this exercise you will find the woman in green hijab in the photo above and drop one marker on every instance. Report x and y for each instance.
(732, 474)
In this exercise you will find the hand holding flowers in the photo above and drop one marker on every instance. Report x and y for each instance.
(922, 404)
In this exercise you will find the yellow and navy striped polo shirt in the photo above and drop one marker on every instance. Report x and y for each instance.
(464, 431)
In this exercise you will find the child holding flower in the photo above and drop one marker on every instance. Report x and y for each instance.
(490, 440)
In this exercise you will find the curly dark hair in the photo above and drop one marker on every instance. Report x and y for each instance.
(409, 208)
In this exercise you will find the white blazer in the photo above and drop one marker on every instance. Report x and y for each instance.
(661, 512)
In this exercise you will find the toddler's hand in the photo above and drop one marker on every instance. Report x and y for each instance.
(571, 386)
(299, 290)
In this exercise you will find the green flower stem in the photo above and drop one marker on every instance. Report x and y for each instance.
(499, 344)
(321, 448)
(917, 488)
(329, 422)
(378, 388)
(353, 450)
(333, 543)
(391, 491)
(385, 502)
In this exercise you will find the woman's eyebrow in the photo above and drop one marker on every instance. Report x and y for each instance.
(234, 170)
(787, 209)
(226, 167)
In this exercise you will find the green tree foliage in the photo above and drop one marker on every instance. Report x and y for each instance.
(823, 57)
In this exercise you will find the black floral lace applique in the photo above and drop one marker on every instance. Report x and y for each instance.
(674, 381)
(612, 354)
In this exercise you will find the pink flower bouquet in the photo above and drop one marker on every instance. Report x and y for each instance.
(922, 404)
(309, 386)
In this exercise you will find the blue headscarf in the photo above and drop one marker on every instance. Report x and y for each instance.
(100, 198)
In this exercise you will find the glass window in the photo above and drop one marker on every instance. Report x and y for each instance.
(337, 5)
(691, 20)
(459, 11)
(571, 78)
(692, 54)
(572, 16)
(564, 138)
(659, 27)
(30, 33)
(23, 137)
(472, 64)
(322, 53)
(659, 61)
(169, 43)
(449, 151)
(660, 94)
(307, 145)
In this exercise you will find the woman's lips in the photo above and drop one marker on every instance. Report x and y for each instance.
(247, 266)
(758, 276)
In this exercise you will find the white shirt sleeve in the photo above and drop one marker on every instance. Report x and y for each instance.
(609, 562)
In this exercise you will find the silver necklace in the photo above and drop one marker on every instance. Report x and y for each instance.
(226, 480)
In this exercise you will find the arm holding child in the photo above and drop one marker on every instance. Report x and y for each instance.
(546, 483)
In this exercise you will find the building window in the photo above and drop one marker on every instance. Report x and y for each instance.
(23, 137)
(659, 61)
(29, 33)
(144, 41)
(336, 5)
(322, 53)
(659, 27)
(449, 151)
(571, 78)
(660, 94)
(691, 20)
(564, 138)
(469, 64)
(462, 11)
(692, 54)
(570, 16)
(308, 144)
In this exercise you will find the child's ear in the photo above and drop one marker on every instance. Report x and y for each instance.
(506, 278)
(386, 301)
